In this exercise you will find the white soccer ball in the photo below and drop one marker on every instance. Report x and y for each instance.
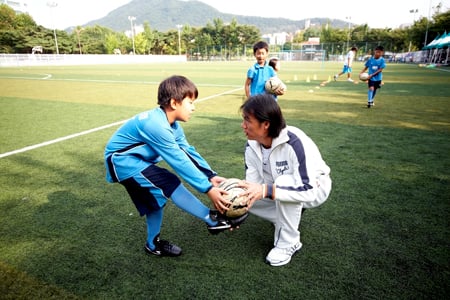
(364, 76)
(238, 203)
(273, 84)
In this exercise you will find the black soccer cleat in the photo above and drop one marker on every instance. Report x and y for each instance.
(163, 248)
(235, 222)
(224, 222)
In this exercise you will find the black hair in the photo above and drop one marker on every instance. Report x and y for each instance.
(260, 45)
(176, 87)
(381, 48)
(354, 49)
(273, 62)
(264, 108)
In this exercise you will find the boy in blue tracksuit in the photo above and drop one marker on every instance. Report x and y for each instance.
(375, 65)
(132, 154)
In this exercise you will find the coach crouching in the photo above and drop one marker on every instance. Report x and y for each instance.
(285, 174)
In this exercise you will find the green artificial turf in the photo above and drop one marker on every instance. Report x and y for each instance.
(66, 233)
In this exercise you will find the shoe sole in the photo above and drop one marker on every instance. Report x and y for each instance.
(217, 230)
(159, 252)
(233, 224)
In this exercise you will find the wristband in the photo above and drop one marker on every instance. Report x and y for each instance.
(269, 191)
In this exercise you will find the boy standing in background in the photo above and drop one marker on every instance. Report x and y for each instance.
(260, 72)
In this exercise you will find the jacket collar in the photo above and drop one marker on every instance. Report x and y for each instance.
(280, 139)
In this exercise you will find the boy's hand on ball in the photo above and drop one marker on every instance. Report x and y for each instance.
(280, 91)
(216, 180)
(218, 199)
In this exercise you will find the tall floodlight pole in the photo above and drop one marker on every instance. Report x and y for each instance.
(412, 11)
(53, 5)
(348, 35)
(428, 21)
(179, 38)
(131, 18)
(78, 30)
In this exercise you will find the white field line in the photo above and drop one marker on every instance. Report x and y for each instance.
(217, 95)
(60, 139)
(49, 77)
(64, 138)
(438, 69)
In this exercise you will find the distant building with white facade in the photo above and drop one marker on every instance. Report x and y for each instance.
(137, 29)
(279, 38)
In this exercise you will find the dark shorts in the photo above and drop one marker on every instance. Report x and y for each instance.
(150, 189)
(375, 84)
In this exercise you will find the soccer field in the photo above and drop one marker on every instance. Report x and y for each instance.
(65, 233)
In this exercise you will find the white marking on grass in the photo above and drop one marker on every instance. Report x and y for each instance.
(217, 95)
(103, 80)
(438, 69)
(64, 138)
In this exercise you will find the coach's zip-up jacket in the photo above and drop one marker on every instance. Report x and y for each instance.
(296, 165)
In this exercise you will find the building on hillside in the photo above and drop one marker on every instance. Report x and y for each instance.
(18, 6)
(307, 23)
(313, 43)
(279, 38)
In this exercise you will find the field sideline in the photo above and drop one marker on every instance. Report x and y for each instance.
(65, 233)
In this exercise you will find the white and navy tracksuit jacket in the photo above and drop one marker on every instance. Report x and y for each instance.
(301, 179)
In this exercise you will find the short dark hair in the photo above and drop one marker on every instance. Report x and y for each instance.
(176, 87)
(354, 49)
(264, 108)
(273, 62)
(260, 45)
(381, 48)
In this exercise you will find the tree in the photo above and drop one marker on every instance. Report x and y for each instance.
(7, 17)
(111, 43)
(141, 43)
(149, 36)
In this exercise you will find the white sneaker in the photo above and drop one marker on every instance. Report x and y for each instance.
(335, 77)
(281, 256)
(350, 80)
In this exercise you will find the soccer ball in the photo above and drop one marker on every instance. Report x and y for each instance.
(238, 203)
(273, 84)
(363, 76)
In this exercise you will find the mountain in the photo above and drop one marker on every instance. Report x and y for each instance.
(164, 15)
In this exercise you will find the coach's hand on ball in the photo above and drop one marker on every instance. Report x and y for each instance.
(254, 192)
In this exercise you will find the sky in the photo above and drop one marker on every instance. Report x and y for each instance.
(391, 13)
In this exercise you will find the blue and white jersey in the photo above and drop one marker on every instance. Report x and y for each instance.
(349, 58)
(374, 65)
(148, 138)
(259, 75)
